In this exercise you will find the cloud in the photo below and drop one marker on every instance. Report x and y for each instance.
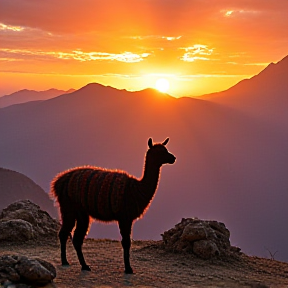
(171, 38)
(190, 58)
(11, 28)
(78, 55)
(195, 50)
(168, 38)
(127, 57)
(189, 77)
(257, 64)
(239, 12)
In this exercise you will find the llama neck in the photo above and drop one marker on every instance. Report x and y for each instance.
(150, 178)
(143, 190)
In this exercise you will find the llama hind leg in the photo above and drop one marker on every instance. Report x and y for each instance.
(125, 230)
(68, 222)
(78, 238)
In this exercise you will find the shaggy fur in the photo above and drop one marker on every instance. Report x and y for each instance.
(106, 195)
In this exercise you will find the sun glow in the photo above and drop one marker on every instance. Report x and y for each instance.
(162, 85)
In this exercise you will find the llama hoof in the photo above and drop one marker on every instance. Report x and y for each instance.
(129, 271)
(65, 264)
(86, 268)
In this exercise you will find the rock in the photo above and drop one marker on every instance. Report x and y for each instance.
(235, 249)
(32, 271)
(16, 230)
(206, 239)
(21, 269)
(48, 266)
(194, 232)
(24, 220)
(205, 249)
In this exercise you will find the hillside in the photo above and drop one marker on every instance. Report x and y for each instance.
(260, 95)
(26, 95)
(16, 186)
(154, 267)
(232, 163)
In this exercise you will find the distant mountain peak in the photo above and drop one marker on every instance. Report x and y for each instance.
(276, 68)
(26, 95)
(271, 82)
(92, 88)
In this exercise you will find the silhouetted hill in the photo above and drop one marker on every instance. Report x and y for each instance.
(260, 94)
(25, 95)
(15, 186)
(232, 165)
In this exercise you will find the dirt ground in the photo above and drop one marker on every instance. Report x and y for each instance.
(153, 267)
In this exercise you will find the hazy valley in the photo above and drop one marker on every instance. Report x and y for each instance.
(231, 149)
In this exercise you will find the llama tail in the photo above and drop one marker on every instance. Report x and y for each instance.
(58, 185)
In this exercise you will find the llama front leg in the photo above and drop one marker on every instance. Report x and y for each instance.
(125, 230)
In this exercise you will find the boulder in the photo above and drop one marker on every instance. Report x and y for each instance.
(204, 238)
(24, 220)
(21, 269)
(205, 249)
(16, 230)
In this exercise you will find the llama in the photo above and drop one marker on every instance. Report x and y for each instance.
(106, 195)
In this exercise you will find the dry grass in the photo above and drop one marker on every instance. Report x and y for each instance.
(153, 267)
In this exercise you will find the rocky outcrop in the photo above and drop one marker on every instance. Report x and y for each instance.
(206, 239)
(23, 270)
(24, 220)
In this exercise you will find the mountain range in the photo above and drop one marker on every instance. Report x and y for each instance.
(231, 149)
(26, 95)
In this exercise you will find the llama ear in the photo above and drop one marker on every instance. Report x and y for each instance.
(150, 144)
(165, 142)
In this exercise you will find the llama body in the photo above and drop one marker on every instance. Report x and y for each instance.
(106, 195)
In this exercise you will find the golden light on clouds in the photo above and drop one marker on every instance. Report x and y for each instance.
(195, 50)
(10, 27)
(199, 48)
(229, 13)
(78, 55)
(127, 57)
(171, 38)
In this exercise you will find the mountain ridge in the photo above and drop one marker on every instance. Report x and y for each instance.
(232, 161)
(26, 95)
(261, 81)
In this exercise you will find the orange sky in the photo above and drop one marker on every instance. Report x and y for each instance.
(200, 46)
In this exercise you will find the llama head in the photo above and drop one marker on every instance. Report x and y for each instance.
(158, 153)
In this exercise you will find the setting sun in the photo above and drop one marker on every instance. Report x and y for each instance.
(162, 85)
(135, 44)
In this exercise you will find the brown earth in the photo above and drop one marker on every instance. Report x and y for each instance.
(153, 267)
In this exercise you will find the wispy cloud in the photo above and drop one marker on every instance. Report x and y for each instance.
(195, 50)
(168, 38)
(127, 57)
(257, 64)
(9, 59)
(171, 38)
(11, 28)
(188, 58)
(248, 64)
(238, 12)
(78, 55)
(189, 77)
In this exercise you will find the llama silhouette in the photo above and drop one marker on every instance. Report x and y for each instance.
(106, 195)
